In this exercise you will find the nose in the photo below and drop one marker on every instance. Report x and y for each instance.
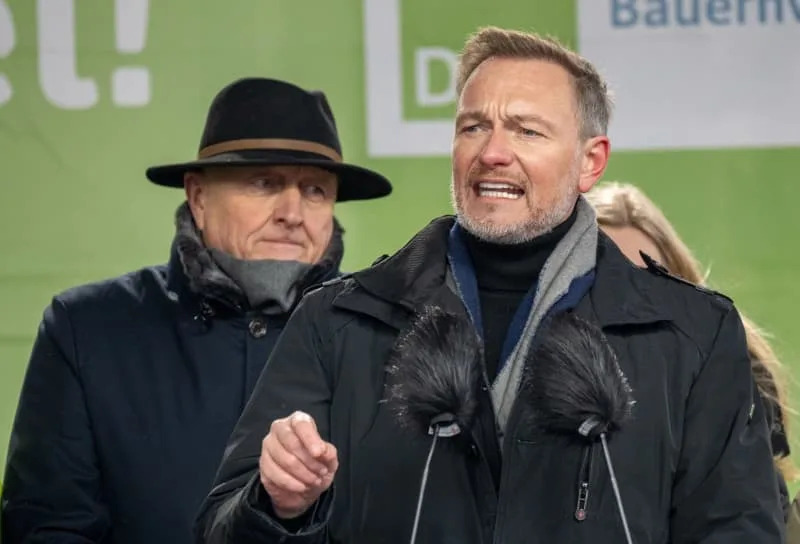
(288, 207)
(497, 150)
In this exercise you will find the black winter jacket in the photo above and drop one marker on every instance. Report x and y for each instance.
(694, 465)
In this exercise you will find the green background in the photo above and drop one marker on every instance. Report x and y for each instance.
(75, 205)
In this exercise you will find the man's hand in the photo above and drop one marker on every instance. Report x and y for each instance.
(296, 465)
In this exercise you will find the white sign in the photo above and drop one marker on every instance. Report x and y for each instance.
(389, 134)
(697, 73)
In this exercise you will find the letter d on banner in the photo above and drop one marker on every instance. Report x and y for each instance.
(424, 57)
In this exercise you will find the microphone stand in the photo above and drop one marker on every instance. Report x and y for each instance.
(617, 494)
(586, 429)
(444, 425)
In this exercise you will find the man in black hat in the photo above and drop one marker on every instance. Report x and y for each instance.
(135, 383)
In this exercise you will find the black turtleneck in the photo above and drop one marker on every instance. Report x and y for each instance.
(505, 272)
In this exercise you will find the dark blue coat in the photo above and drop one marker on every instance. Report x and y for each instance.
(133, 387)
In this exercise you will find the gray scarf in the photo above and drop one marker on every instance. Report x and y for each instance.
(573, 257)
(268, 282)
(270, 285)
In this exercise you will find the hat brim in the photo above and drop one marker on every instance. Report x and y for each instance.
(355, 182)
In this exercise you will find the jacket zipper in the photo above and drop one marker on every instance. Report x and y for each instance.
(584, 477)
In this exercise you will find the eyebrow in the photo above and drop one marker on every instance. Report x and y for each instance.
(469, 115)
(519, 118)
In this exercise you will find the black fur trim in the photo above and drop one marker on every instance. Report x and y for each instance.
(434, 370)
(573, 377)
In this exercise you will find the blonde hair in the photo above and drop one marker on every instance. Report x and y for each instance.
(593, 99)
(624, 205)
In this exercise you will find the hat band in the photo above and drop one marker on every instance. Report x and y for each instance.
(270, 143)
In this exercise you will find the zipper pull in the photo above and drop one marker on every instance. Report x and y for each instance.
(583, 499)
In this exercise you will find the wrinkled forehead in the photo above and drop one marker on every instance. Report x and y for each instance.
(519, 87)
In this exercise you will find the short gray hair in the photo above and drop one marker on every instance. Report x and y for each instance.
(593, 98)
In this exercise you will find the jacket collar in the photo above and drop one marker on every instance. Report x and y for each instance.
(622, 294)
(206, 289)
(410, 276)
(397, 286)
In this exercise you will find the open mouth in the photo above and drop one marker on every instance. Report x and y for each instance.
(494, 189)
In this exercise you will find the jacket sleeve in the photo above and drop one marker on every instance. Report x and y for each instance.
(725, 489)
(52, 488)
(238, 510)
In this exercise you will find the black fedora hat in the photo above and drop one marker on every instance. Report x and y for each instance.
(259, 121)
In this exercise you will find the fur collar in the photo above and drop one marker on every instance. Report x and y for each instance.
(208, 280)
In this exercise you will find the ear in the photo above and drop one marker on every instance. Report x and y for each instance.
(193, 184)
(594, 159)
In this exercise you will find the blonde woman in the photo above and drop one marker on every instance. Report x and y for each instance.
(635, 223)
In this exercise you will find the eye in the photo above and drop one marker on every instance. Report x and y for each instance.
(529, 132)
(315, 192)
(267, 183)
(473, 127)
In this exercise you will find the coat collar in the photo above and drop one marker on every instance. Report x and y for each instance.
(622, 294)
(206, 290)
(418, 269)
(397, 286)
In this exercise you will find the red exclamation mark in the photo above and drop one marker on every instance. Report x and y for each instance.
(130, 85)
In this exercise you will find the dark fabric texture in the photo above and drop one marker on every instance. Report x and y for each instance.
(694, 463)
(133, 387)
